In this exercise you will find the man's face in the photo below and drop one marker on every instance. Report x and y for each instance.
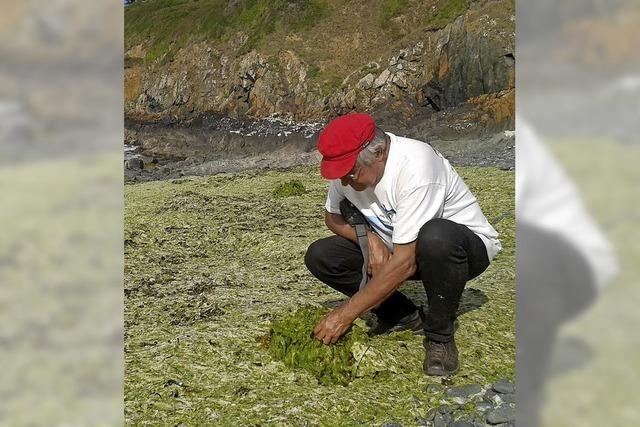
(360, 177)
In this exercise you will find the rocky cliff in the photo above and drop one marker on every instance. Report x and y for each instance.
(428, 58)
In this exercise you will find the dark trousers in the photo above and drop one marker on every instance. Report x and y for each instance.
(447, 256)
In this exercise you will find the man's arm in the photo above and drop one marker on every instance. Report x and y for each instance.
(378, 252)
(337, 224)
(400, 267)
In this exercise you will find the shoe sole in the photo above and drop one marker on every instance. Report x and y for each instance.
(441, 373)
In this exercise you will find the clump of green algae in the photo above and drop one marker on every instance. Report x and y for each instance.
(295, 187)
(291, 340)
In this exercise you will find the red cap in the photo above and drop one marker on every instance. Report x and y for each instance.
(341, 141)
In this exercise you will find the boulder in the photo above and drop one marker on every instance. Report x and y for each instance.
(382, 79)
(134, 164)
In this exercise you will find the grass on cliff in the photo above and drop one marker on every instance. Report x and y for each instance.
(168, 25)
(210, 262)
(445, 12)
(335, 38)
(391, 8)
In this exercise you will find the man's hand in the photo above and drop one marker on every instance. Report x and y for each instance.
(379, 253)
(334, 325)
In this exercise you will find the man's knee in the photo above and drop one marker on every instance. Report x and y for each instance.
(437, 238)
(313, 256)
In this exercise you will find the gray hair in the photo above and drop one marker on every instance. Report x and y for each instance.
(377, 145)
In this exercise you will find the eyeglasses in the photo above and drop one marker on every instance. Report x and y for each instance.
(353, 174)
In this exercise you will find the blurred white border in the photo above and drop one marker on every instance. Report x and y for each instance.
(61, 264)
(578, 77)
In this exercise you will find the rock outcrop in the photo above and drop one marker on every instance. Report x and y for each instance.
(470, 62)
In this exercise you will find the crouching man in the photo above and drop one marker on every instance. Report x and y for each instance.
(423, 223)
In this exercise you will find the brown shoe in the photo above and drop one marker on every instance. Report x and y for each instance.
(412, 322)
(441, 358)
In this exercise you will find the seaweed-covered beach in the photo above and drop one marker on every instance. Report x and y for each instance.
(211, 261)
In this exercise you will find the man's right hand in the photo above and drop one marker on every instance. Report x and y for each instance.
(379, 253)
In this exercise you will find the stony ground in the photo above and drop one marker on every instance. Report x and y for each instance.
(209, 261)
(161, 151)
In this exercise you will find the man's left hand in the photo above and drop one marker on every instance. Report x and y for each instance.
(335, 324)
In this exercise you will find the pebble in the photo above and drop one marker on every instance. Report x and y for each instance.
(422, 422)
(439, 421)
(478, 420)
(444, 409)
(431, 413)
(134, 164)
(461, 394)
(492, 396)
(504, 387)
(493, 405)
(501, 414)
(433, 388)
(508, 398)
(484, 406)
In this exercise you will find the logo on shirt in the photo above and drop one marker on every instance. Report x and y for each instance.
(389, 212)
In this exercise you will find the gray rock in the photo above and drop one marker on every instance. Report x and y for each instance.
(508, 398)
(439, 421)
(461, 424)
(391, 424)
(431, 414)
(382, 78)
(464, 393)
(444, 409)
(433, 388)
(484, 406)
(504, 387)
(501, 414)
(492, 396)
(400, 80)
(422, 421)
(133, 164)
(478, 419)
(366, 82)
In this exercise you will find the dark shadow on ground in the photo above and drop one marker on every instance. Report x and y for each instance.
(472, 299)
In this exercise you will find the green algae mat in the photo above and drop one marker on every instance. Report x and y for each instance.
(213, 264)
(290, 339)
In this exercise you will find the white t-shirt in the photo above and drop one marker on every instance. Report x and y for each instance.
(418, 185)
